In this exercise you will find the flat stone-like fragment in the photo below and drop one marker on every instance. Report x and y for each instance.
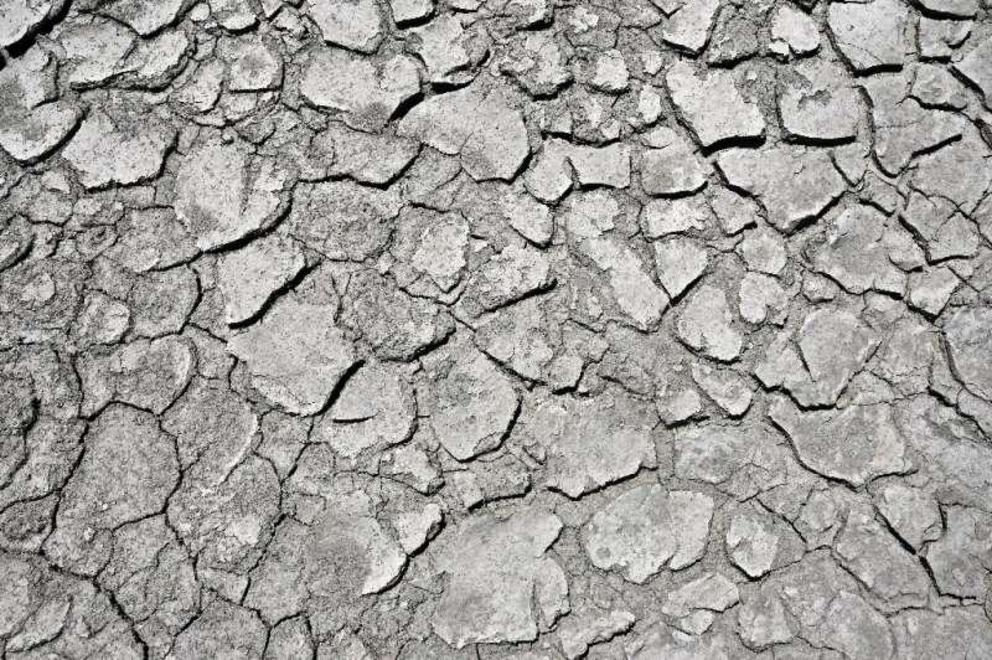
(531, 218)
(856, 253)
(833, 345)
(447, 50)
(734, 212)
(763, 251)
(376, 159)
(518, 337)
(223, 194)
(727, 388)
(672, 167)
(153, 580)
(254, 64)
(475, 402)
(938, 38)
(855, 444)
(505, 278)
(794, 31)
(689, 28)
(903, 128)
(664, 641)
(712, 106)
(538, 62)
(127, 472)
(248, 278)
(969, 339)
(102, 320)
(352, 24)
(150, 239)
(646, 529)
(407, 11)
(341, 553)
(602, 166)
(32, 123)
(118, 150)
(501, 587)
(213, 428)
(365, 92)
(912, 513)
(97, 51)
(295, 355)
(762, 297)
(224, 511)
(870, 552)
(375, 409)
(696, 603)
(706, 324)
(146, 17)
(46, 611)
(958, 173)
(976, 67)
(871, 35)
(589, 627)
(818, 601)
(233, 15)
(21, 17)
(795, 184)
(959, 632)
(482, 125)
(819, 103)
(589, 219)
(415, 528)
(716, 453)
(609, 72)
(147, 374)
(590, 443)
(33, 135)
(679, 262)
(222, 630)
(550, 175)
(959, 561)
(754, 543)
(431, 250)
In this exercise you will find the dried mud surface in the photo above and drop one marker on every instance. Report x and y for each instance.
(529, 329)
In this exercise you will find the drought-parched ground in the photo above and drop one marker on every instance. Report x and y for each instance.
(496, 329)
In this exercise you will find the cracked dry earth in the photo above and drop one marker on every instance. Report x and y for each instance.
(496, 329)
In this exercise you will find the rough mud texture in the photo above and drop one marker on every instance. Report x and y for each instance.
(495, 329)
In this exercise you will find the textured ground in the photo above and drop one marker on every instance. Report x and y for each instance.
(496, 329)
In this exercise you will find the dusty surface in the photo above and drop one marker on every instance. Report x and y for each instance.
(496, 329)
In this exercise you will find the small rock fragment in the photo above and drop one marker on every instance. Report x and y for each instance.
(855, 444)
(364, 92)
(224, 194)
(589, 627)
(689, 28)
(795, 184)
(501, 587)
(118, 150)
(647, 528)
(295, 354)
(475, 402)
(588, 444)
(352, 24)
(713, 107)
(871, 35)
(706, 324)
(248, 278)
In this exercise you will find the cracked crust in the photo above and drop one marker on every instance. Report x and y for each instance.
(488, 329)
